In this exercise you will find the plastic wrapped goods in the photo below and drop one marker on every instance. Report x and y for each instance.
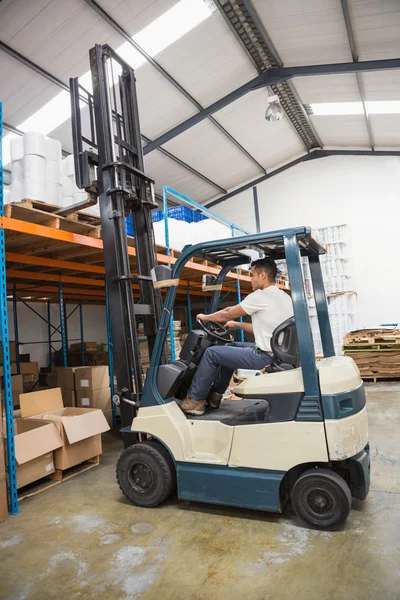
(34, 144)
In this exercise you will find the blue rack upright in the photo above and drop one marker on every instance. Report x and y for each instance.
(8, 403)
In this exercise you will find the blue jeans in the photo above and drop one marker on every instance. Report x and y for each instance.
(218, 364)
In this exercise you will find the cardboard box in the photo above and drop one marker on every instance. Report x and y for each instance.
(94, 399)
(88, 346)
(108, 416)
(35, 441)
(17, 388)
(29, 380)
(13, 367)
(69, 397)
(66, 377)
(13, 353)
(29, 368)
(79, 428)
(91, 378)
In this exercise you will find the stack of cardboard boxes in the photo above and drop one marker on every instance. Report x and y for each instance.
(28, 376)
(84, 387)
(179, 338)
(50, 437)
(94, 354)
(92, 386)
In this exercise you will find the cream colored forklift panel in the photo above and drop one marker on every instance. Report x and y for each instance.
(347, 437)
(278, 446)
(338, 374)
(165, 424)
(211, 441)
(272, 383)
(203, 441)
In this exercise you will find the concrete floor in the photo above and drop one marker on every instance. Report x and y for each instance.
(82, 540)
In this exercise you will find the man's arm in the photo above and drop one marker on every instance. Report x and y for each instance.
(247, 327)
(224, 315)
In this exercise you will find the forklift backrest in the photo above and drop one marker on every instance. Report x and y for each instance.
(285, 345)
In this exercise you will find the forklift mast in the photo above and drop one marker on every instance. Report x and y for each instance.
(109, 165)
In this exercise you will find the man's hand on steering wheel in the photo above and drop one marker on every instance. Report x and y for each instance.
(215, 331)
(202, 317)
(231, 325)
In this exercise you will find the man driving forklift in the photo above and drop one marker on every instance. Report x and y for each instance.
(268, 306)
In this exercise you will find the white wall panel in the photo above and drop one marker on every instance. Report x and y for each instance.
(208, 61)
(306, 31)
(210, 152)
(376, 25)
(161, 106)
(327, 88)
(343, 130)
(382, 85)
(269, 143)
(386, 130)
(167, 172)
(359, 191)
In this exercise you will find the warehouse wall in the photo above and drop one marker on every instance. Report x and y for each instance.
(32, 329)
(363, 192)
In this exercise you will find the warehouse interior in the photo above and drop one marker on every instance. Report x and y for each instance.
(158, 159)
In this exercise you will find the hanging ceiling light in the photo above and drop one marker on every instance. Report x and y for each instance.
(274, 110)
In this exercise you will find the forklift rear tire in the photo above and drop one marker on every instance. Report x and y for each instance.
(146, 474)
(322, 499)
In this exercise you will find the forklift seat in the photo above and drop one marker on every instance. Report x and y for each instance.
(285, 347)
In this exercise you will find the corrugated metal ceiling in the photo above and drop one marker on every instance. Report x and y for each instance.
(209, 63)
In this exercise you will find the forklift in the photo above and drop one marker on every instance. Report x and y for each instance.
(298, 432)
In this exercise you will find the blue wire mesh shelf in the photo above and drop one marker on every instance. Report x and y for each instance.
(180, 213)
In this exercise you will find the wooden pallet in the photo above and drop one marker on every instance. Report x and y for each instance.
(57, 477)
(83, 217)
(373, 336)
(357, 347)
(378, 378)
(41, 213)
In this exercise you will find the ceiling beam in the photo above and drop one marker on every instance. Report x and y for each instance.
(125, 35)
(269, 78)
(314, 154)
(246, 25)
(353, 49)
(54, 80)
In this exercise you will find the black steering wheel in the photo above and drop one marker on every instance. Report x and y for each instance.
(216, 331)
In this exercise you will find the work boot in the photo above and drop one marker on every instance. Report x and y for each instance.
(192, 407)
(214, 399)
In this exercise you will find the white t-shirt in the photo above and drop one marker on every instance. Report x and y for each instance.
(268, 308)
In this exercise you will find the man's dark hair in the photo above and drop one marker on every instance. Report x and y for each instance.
(267, 265)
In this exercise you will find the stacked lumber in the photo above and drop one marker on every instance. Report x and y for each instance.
(375, 351)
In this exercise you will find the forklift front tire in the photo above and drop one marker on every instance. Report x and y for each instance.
(321, 498)
(146, 474)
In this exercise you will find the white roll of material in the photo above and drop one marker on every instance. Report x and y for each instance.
(63, 165)
(17, 171)
(17, 149)
(52, 193)
(16, 191)
(33, 189)
(69, 166)
(67, 186)
(53, 172)
(53, 150)
(35, 168)
(7, 194)
(34, 144)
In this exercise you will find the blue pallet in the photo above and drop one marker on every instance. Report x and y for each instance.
(180, 213)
